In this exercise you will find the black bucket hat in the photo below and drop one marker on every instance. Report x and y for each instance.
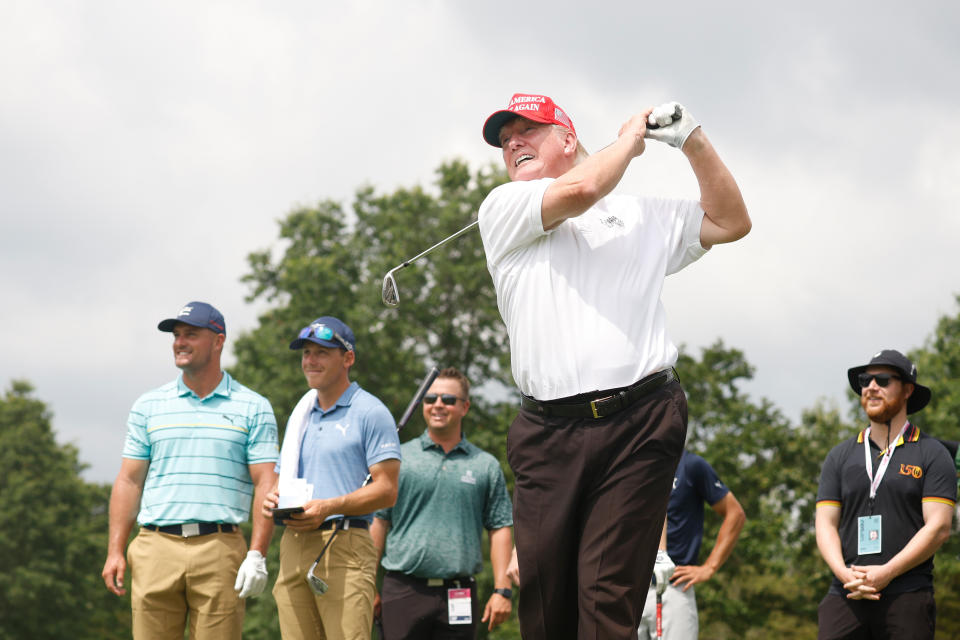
(908, 371)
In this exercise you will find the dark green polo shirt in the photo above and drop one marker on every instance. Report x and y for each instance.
(444, 503)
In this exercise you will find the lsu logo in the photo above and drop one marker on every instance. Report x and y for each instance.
(911, 470)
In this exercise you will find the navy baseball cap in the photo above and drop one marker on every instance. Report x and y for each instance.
(326, 331)
(198, 314)
(908, 371)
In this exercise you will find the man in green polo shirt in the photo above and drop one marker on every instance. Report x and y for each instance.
(450, 491)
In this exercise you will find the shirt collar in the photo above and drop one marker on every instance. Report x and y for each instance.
(426, 442)
(345, 399)
(911, 434)
(223, 389)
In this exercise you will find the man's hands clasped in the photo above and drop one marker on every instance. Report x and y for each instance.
(866, 583)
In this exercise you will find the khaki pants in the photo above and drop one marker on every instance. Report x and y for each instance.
(349, 567)
(172, 575)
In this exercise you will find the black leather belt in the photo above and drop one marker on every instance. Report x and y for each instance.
(605, 404)
(345, 523)
(191, 529)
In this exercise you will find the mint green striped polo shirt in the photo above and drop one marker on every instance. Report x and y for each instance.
(444, 503)
(199, 451)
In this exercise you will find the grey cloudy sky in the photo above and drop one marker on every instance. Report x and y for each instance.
(147, 148)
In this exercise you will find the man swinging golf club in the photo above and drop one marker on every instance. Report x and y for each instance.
(578, 272)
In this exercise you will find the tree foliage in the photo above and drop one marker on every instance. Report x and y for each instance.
(938, 367)
(332, 263)
(54, 533)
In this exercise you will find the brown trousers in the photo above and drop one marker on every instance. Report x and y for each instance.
(589, 505)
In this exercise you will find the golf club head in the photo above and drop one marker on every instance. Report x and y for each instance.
(389, 295)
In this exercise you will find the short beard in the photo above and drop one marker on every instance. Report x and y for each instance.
(886, 411)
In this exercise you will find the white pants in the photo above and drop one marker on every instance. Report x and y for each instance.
(679, 617)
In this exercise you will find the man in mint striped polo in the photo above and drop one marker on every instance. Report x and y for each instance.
(198, 451)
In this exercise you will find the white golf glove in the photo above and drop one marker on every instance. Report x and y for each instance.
(252, 575)
(662, 570)
(673, 132)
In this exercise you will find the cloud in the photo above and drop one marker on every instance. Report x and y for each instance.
(148, 148)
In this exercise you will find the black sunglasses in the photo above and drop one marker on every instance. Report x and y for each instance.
(883, 379)
(446, 398)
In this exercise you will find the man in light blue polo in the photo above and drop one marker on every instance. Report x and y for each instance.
(198, 451)
(338, 435)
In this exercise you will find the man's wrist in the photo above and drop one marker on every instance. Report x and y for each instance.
(504, 591)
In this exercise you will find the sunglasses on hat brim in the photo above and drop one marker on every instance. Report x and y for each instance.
(324, 332)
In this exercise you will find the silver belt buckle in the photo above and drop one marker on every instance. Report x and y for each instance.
(189, 530)
(434, 582)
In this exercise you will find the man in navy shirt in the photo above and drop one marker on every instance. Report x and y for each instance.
(694, 483)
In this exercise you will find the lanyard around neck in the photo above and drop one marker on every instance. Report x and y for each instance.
(884, 462)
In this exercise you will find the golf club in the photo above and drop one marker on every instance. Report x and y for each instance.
(414, 402)
(677, 114)
(659, 615)
(389, 294)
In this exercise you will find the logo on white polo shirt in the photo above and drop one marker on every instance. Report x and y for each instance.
(342, 428)
(612, 221)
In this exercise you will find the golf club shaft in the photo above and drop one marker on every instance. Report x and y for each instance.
(416, 400)
(441, 243)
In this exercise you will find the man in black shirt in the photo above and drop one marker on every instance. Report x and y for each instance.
(884, 507)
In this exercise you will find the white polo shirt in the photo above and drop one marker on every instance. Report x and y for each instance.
(582, 302)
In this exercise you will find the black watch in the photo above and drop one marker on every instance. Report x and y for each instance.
(506, 593)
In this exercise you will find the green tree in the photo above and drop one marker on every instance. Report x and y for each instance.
(54, 533)
(331, 263)
(938, 367)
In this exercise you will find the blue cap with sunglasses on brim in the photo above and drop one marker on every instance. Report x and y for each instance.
(908, 373)
(326, 331)
(197, 314)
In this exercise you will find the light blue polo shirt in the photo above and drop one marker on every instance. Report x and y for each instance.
(199, 451)
(339, 445)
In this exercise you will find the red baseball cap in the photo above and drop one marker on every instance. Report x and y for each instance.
(529, 106)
